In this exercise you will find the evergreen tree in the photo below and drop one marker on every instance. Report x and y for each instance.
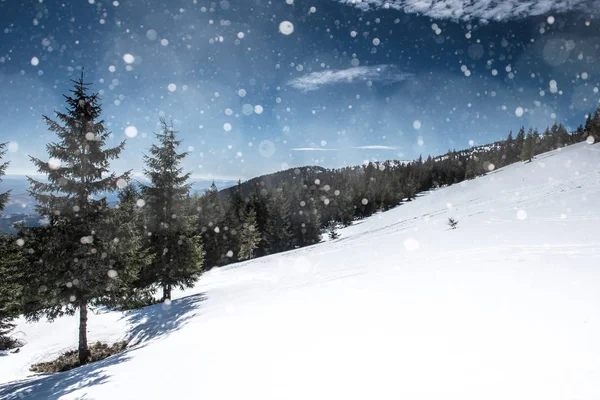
(234, 222)
(345, 206)
(519, 143)
(528, 148)
(278, 231)
(71, 262)
(127, 219)
(250, 236)
(593, 126)
(3, 167)
(9, 291)
(258, 201)
(210, 224)
(10, 288)
(176, 251)
(508, 148)
(333, 234)
(305, 219)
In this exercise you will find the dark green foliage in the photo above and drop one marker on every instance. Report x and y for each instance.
(10, 289)
(333, 234)
(210, 212)
(452, 223)
(79, 259)
(249, 236)
(592, 127)
(3, 167)
(175, 247)
(278, 230)
(527, 152)
(9, 257)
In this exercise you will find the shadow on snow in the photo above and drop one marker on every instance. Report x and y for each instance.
(145, 325)
(155, 321)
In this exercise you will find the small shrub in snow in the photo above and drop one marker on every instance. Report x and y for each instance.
(452, 223)
(70, 359)
(9, 342)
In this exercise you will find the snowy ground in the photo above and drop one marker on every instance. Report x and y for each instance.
(507, 306)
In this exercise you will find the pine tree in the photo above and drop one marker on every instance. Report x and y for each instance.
(519, 143)
(3, 167)
(71, 262)
(345, 206)
(10, 255)
(333, 234)
(127, 220)
(528, 148)
(234, 222)
(593, 127)
(210, 212)
(508, 146)
(250, 236)
(176, 251)
(278, 230)
(10, 289)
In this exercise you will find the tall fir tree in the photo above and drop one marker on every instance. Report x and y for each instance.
(3, 166)
(128, 215)
(209, 209)
(278, 230)
(72, 261)
(10, 288)
(519, 143)
(249, 236)
(234, 222)
(176, 250)
(593, 127)
(528, 148)
(332, 230)
(9, 291)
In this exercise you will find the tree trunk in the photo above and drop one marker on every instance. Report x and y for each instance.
(83, 345)
(166, 292)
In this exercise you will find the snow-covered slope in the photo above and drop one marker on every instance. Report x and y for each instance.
(507, 306)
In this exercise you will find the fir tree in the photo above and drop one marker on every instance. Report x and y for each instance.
(278, 230)
(519, 143)
(10, 288)
(333, 234)
(176, 251)
(209, 208)
(3, 167)
(528, 148)
(234, 222)
(9, 291)
(71, 262)
(127, 218)
(250, 236)
(593, 127)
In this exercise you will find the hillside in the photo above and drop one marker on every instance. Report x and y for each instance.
(290, 176)
(504, 307)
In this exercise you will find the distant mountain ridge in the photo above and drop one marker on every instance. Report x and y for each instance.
(21, 207)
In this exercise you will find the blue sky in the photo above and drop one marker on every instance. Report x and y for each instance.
(258, 86)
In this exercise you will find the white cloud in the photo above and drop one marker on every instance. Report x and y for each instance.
(311, 149)
(380, 73)
(483, 10)
(376, 147)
